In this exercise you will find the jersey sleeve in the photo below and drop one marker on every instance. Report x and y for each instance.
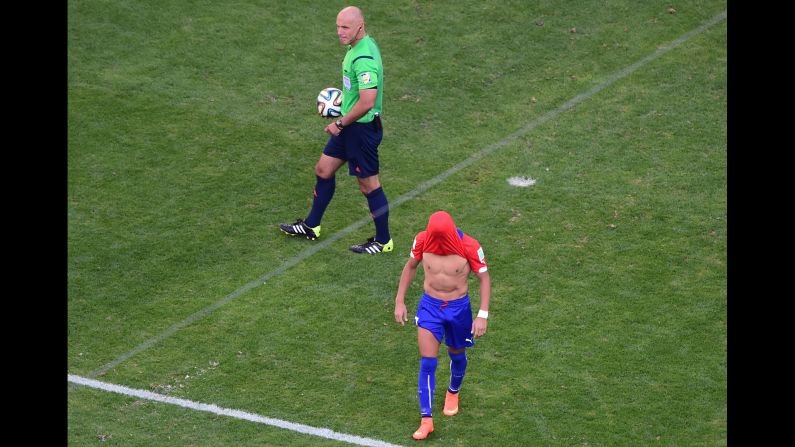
(475, 255)
(418, 246)
(367, 72)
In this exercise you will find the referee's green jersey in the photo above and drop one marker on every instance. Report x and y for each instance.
(362, 69)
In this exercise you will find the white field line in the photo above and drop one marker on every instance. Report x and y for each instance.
(413, 193)
(237, 414)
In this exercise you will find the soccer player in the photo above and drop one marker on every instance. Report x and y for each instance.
(354, 137)
(448, 256)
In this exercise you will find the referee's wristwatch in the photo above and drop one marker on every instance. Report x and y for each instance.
(339, 124)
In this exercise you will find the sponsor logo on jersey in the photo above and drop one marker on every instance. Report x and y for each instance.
(346, 81)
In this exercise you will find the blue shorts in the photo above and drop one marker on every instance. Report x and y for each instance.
(451, 320)
(358, 145)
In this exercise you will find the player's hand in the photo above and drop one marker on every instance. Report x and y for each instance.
(332, 129)
(401, 315)
(479, 327)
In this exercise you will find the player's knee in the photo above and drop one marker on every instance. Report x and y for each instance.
(456, 351)
(323, 172)
(428, 364)
(369, 184)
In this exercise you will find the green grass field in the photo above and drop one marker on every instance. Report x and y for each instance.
(192, 132)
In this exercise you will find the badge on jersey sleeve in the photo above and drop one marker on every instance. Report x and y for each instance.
(365, 78)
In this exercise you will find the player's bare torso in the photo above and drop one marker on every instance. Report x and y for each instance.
(445, 276)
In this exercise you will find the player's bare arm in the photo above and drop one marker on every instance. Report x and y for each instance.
(479, 324)
(409, 271)
(363, 105)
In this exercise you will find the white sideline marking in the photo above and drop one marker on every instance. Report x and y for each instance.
(237, 414)
(413, 193)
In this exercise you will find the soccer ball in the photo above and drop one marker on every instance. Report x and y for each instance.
(329, 101)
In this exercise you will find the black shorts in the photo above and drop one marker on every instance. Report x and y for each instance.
(358, 145)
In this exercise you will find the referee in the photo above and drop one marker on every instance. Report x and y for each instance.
(355, 137)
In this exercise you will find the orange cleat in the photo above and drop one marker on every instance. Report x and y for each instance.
(450, 404)
(426, 427)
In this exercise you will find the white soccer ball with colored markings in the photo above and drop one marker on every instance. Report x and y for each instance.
(329, 102)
